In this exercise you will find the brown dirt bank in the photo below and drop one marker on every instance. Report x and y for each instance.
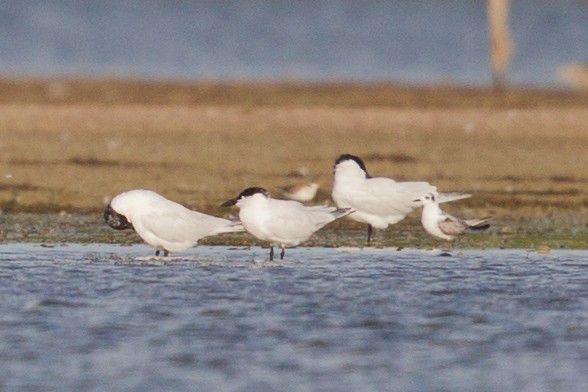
(72, 144)
(67, 91)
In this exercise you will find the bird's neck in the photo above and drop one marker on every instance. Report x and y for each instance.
(345, 178)
(432, 208)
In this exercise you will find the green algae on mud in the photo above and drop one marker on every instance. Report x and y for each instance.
(529, 233)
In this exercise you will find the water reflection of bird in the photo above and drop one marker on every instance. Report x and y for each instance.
(162, 223)
(444, 226)
(377, 201)
(302, 192)
(281, 222)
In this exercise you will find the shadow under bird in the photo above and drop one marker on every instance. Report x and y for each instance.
(444, 226)
(283, 223)
(164, 224)
(378, 201)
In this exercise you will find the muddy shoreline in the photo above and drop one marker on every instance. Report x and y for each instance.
(68, 146)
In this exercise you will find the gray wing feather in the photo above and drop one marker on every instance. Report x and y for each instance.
(452, 226)
(455, 226)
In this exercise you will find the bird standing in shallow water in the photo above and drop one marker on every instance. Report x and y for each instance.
(378, 201)
(281, 222)
(444, 226)
(162, 223)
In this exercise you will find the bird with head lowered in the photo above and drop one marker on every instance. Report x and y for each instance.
(162, 223)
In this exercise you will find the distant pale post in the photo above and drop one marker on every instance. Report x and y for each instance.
(501, 46)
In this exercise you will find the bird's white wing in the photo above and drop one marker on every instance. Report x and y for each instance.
(290, 222)
(176, 225)
(384, 196)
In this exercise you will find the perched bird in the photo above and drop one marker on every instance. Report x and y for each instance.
(378, 201)
(442, 225)
(281, 222)
(162, 223)
(302, 192)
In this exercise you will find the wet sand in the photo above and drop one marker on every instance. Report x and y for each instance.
(70, 145)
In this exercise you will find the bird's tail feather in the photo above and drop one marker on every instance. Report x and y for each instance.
(340, 212)
(445, 197)
(231, 227)
(479, 224)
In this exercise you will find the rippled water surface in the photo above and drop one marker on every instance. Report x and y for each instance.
(94, 317)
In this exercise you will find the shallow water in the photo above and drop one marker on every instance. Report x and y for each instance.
(409, 41)
(94, 317)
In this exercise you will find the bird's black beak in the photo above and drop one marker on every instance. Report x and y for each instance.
(116, 220)
(229, 203)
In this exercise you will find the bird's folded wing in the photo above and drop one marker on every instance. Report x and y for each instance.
(383, 196)
(174, 226)
(293, 220)
(451, 226)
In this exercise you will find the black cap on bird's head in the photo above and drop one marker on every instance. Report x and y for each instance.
(116, 220)
(246, 193)
(348, 157)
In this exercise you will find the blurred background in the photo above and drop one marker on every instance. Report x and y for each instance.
(316, 40)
